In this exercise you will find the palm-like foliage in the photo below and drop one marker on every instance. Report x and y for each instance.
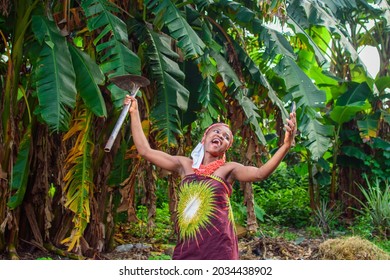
(88, 78)
(376, 204)
(56, 92)
(112, 43)
(168, 15)
(168, 78)
(79, 178)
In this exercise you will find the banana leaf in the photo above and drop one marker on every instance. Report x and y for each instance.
(318, 136)
(88, 78)
(79, 186)
(167, 14)
(20, 171)
(111, 44)
(350, 103)
(54, 75)
(172, 97)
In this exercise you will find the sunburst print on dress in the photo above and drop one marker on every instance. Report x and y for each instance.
(231, 214)
(227, 199)
(195, 209)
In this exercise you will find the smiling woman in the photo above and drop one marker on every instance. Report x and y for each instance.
(205, 223)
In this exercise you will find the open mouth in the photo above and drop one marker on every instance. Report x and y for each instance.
(216, 141)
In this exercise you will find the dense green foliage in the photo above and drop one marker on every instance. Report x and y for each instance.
(283, 196)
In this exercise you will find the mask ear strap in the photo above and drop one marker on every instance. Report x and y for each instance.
(197, 155)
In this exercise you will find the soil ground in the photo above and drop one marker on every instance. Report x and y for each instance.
(250, 248)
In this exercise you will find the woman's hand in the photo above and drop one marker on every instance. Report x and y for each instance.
(134, 104)
(291, 130)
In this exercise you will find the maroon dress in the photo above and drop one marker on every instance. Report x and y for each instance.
(205, 220)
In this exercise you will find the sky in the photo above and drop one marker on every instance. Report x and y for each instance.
(370, 57)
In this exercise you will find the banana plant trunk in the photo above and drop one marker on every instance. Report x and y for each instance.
(9, 127)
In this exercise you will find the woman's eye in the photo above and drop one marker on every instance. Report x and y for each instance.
(226, 136)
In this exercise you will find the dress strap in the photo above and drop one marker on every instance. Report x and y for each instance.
(224, 184)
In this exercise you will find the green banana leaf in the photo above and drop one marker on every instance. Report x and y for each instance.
(300, 85)
(250, 111)
(318, 136)
(115, 56)
(232, 81)
(309, 97)
(369, 126)
(20, 171)
(211, 98)
(227, 73)
(168, 15)
(343, 114)
(121, 165)
(382, 84)
(245, 15)
(379, 143)
(317, 14)
(308, 40)
(274, 42)
(350, 103)
(257, 76)
(355, 152)
(172, 97)
(54, 75)
(88, 78)
(275, 45)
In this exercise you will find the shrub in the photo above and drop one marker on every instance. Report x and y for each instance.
(376, 205)
(326, 217)
(289, 207)
(163, 229)
(284, 197)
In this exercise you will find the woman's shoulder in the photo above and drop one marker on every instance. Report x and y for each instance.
(232, 164)
(225, 170)
(184, 159)
(186, 164)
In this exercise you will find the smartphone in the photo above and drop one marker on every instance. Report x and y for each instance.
(293, 107)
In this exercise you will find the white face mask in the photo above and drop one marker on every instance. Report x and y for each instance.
(197, 155)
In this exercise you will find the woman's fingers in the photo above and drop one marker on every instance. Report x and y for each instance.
(291, 125)
(130, 99)
(291, 129)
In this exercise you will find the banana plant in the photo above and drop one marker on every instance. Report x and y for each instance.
(206, 59)
(61, 72)
(347, 106)
(325, 22)
(9, 129)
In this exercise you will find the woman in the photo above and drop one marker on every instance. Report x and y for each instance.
(205, 219)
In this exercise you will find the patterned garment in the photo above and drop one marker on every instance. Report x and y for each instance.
(205, 220)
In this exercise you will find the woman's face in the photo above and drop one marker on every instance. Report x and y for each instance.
(218, 140)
